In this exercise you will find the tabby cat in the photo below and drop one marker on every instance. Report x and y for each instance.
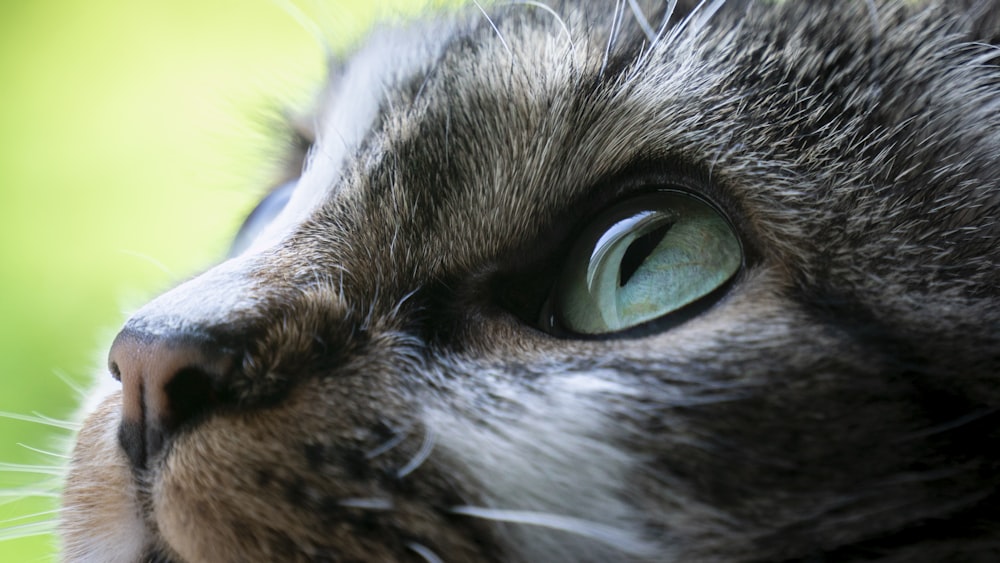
(591, 281)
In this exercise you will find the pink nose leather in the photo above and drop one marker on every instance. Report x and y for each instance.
(166, 381)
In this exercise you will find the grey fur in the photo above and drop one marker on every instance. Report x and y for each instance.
(392, 400)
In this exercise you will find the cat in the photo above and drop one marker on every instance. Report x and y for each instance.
(590, 281)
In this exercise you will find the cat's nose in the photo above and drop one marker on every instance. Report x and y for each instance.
(168, 379)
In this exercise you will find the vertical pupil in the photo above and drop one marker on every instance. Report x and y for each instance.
(637, 252)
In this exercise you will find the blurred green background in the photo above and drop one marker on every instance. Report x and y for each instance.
(134, 137)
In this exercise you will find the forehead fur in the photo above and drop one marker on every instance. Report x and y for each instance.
(514, 122)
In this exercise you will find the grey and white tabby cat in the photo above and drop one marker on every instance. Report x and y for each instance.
(591, 281)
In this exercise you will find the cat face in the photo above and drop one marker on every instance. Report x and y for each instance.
(563, 283)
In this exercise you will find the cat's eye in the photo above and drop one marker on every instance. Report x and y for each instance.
(261, 217)
(643, 259)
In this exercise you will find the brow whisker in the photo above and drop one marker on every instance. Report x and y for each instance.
(494, 26)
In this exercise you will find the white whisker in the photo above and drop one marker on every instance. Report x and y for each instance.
(494, 26)
(615, 22)
(621, 540)
(40, 419)
(30, 516)
(367, 503)
(395, 310)
(366, 323)
(149, 260)
(667, 14)
(74, 426)
(44, 452)
(388, 445)
(27, 530)
(558, 18)
(307, 23)
(19, 494)
(421, 456)
(79, 391)
(428, 555)
(640, 18)
(705, 12)
(51, 470)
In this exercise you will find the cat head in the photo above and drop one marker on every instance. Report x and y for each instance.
(589, 282)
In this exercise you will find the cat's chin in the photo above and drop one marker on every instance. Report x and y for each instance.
(102, 516)
(114, 514)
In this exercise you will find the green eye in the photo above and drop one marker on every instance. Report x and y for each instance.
(642, 259)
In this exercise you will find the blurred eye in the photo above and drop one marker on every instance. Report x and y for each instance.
(641, 260)
(261, 217)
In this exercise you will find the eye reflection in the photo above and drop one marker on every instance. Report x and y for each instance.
(643, 259)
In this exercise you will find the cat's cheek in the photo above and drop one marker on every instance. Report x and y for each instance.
(238, 487)
(204, 501)
(101, 519)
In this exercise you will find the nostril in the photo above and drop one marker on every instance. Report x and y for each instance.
(190, 393)
(167, 381)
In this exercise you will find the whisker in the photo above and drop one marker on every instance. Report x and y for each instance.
(30, 516)
(705, 12)
(373, 503)
(366, 323)
(494, 26)
(399, 305)
(51, 490)
(640, 18)
(424, 552)
(388, 445)
(667, 14)
(74, 426)
(40, 419)
(613, 537)
(18, 494)
(150, 260)
(307, 23)
(950, 425)
(421, 456)
(693, 22)
(27, 530)
(615, 22)
(36, 469)
(73, 385)
(558, 18)
(43, 452)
